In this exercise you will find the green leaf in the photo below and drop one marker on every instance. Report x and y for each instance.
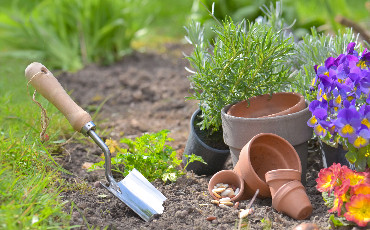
(351, 156)
(338, 221)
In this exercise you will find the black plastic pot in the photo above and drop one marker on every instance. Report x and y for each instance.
(331, 155)
(215, 158)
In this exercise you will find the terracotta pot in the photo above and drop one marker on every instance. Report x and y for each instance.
(215, 158)
(237, 131)
(292, 200)
(267, 105)
(227, 177)
(263, 153)
(277, 178)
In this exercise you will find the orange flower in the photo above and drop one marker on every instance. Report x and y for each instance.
(358, 209)
(340, 197)
(327, 179)
(354, 177)
(361, 189)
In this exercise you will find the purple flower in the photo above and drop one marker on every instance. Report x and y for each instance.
(351, 47)
(319, 109)
(364, 60)
(365, 115)
(320, 130)
(341, 111)
(361, 139)
(329, 62)
(347, 122)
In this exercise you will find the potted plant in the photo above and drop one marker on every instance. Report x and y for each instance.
(341, 111)
(245, 60)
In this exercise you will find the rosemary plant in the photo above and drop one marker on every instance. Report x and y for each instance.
(247, 59)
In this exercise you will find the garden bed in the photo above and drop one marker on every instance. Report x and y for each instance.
(146, 93)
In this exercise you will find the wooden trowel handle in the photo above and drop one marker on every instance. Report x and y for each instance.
(49, 87)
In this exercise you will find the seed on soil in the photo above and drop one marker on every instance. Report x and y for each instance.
(225, 199)
(223, 206)
(228, 193)
(221, 185)
(245, 212)
(215, 202)
(237, 190)
(217, 195)
(228, 203)
(210, 218)
(218, 190)
(236, 205)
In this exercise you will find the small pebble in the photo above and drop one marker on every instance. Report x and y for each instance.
(97, 184)
(307, 226)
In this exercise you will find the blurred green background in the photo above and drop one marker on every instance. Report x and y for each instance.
(69, 34)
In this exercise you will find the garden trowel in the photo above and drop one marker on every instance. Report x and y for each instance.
(134, 190)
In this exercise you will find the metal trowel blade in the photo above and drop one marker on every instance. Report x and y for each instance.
(139, 194)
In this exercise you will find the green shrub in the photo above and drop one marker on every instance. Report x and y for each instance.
(68, 34)
(150, 155)
(247, 59)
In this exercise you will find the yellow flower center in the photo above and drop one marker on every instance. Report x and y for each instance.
(361, 64)
(366, 122)
(360, 141)
(340, 80)
(325, 97)
(338, 100)
(326, 73)
(320, 130)
(348, 129)
(313, 120)
(350, 98)
(313, 83)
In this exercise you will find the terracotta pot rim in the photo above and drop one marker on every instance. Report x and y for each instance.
(263, 119)
(283, 191)
(283, 174)
(220, 151)
(275, 136)
(294, 107)
(241, 182)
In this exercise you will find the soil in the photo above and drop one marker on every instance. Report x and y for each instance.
(145, 92)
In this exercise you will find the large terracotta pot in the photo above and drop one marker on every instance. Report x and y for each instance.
(263, 153)
(214, 157)
(237, 131)
(227, 177)
(267, 105)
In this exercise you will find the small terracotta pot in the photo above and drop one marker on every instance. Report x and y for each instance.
(292, 200)
(277, 178)
(267, 105)
(263, 153)
(227, 177)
